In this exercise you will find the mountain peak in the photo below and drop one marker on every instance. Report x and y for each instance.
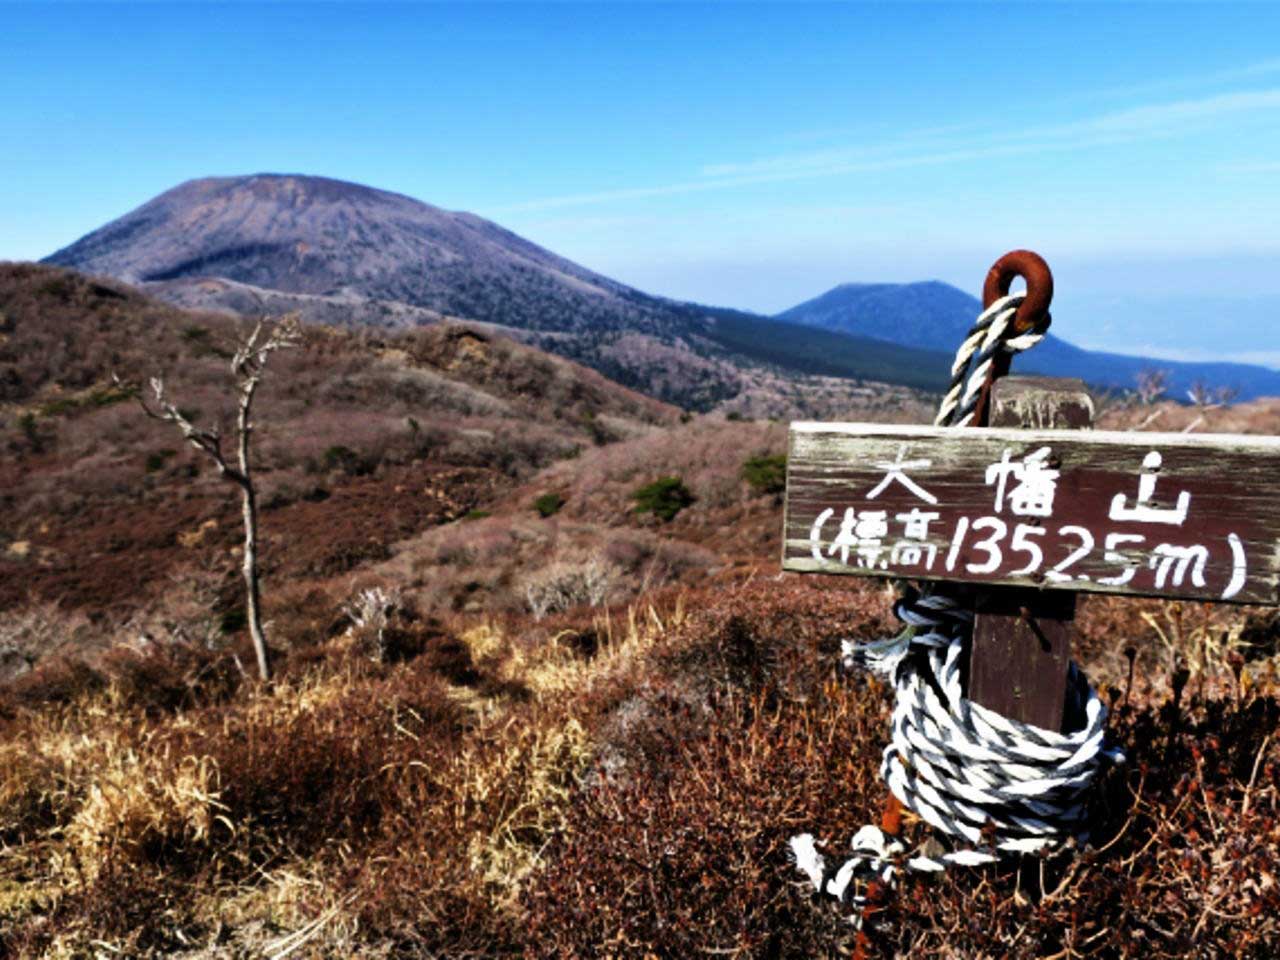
(339, 249)
(928, 313)
(315, 235)
(291, 188)
(859, 286)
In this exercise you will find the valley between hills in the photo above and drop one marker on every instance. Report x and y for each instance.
(541, 687)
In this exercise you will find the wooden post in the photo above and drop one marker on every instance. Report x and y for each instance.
(1021, 648)
(1029, 512)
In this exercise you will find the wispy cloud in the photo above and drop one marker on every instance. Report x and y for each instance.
(1243, 73)
(1117, 126)
(940, 147)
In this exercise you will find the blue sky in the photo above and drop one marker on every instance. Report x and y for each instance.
(746, 155)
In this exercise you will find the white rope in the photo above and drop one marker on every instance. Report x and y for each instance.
(986, 338)
(1000, 786)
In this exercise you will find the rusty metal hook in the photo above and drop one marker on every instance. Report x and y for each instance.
(1030, 266)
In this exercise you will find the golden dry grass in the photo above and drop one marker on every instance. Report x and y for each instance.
(620, 782)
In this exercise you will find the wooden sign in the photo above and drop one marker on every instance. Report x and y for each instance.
(1169, 515)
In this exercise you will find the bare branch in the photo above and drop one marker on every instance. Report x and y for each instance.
(247, 364)
(206, 441)
(1152, 385)
(251, 356)
(1201, 395)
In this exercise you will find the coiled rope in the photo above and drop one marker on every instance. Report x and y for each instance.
(1001, 786)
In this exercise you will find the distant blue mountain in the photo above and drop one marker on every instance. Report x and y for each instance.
(935, 315)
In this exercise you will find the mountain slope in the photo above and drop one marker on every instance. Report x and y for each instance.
(931, 314)
(937, 315)
(827, 352)
(349, 254)
(313, 235)
(361, 437)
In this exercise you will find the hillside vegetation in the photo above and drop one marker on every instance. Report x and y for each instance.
(514, 716)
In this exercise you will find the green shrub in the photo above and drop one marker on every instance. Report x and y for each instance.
(233, 620)
(103, 397)
(664, 498)
(339, 457)
(157, 459)
(476, 515)
(549, 504)
(766, 474)
(31, 431)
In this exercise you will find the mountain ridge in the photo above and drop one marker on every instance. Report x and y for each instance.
(350, 254)
(346, 253)
(924, 313)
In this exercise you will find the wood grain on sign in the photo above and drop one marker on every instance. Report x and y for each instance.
(1154, 514)
(1020, 650)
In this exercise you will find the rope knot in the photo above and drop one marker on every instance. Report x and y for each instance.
(991, 334)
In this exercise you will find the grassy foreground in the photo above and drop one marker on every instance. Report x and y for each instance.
(617, 784)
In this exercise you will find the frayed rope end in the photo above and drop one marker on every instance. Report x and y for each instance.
(805, 855)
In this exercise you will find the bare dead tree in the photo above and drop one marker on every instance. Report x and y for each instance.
(247, 366)
(1206, 397)
(1200, 394)
(1225, 396)
(1109, 399)
(1152, 385)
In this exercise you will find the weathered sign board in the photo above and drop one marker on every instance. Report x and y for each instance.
(1171, 515)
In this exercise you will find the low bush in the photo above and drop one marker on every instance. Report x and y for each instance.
(664, 497)
(766, 474)
(549, 504)
(564, 585)
(339, 457)
(157, 459)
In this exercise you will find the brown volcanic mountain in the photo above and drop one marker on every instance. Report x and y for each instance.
(347, 254)
(312, 235)
(339, 249)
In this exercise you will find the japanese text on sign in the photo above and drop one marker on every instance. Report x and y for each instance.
(1034, 507)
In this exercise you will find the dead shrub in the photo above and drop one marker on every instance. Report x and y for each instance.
(162, 677)
(61, 679)
(28, 635)
(566, 584)
(694, 861)
(371, 611)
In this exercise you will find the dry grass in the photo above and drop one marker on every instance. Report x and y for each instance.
(365, 428)
(413, 800)
(620, 783)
